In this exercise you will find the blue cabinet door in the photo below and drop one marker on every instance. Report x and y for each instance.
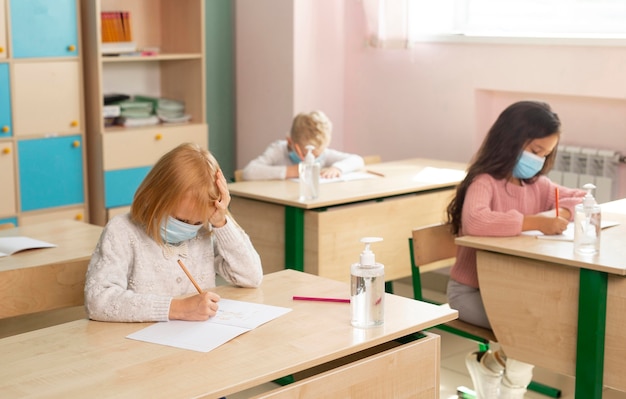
(5, 102)
(43, 28)
(50, 172)
(120, 185)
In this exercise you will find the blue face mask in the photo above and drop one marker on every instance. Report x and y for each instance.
(173, 231)
(293, 156)
(528, 165)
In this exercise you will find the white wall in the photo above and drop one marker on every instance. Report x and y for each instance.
(290, 59)
(436, 100)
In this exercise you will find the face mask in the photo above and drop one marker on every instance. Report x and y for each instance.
(293, 156)
(173, 231)
(528, 165)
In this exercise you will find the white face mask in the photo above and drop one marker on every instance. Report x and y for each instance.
(173, 231)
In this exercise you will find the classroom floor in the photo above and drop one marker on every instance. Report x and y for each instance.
(453, 372)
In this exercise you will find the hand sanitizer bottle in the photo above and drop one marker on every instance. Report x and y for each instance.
(367, 288)
(587, 219)
(309, 176)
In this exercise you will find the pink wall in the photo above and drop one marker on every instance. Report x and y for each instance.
(289, 59)
(435, 100)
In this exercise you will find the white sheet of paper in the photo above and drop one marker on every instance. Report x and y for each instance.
(439, 175)
(568, 234)
(232, 319)
(11, 245)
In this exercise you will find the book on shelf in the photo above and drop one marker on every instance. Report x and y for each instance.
(11, 245)
(114, 98)
(116, 34)
(111, 111)
(138, 122)
(115, 26)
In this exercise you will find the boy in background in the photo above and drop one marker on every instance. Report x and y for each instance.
(281, 158)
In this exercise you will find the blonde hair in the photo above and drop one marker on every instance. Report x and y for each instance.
(311, 128)
(185, 170)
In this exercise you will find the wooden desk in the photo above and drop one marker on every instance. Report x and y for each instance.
(558, 310)
(94, 358)
(322, 236)
(49, 278)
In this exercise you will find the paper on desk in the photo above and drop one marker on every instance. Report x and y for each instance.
(345, 177)
(232, 319)
(11, 245)
(568, 234)
(439, 175)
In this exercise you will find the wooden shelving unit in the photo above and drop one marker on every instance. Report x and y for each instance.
(118, 157)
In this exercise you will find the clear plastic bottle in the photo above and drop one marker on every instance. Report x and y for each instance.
(587, 224)
(309, 176)
(367, 289)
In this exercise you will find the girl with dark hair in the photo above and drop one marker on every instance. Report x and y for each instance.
(504, 193)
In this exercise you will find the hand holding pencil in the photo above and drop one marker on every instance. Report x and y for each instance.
(199, 307)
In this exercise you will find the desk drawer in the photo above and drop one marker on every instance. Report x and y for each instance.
(133, 148)
(404, 371)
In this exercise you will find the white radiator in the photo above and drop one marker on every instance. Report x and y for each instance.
(576, 166)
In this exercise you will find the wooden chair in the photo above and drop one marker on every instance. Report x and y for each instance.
(432, 248)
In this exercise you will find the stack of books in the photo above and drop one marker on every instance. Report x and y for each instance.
(122, 110)
(171, 111)
(111, 109)
(136, 112)
(116, 32)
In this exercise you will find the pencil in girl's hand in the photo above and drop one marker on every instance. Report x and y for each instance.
(193, 281)
(556, 201)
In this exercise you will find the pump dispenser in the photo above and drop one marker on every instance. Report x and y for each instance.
(367, 288)
(587, 220)
(309, 176)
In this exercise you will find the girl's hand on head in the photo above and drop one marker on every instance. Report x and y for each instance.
(197, 307)
(218, 219)
(330, 173)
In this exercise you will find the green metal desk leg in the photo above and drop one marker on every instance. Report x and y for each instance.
(294, 238)
(592, 299)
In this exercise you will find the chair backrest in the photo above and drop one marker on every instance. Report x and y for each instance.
(239, 175)
(370, 159)
(433, 243)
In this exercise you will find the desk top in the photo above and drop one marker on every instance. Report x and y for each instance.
(75, 241)
(399, 177)
(94, 358)
(611, 259)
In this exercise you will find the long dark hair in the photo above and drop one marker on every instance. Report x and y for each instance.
(516, 126)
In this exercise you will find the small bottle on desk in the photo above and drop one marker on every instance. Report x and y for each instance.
(367, 289)
(309, 176)
(587, 220)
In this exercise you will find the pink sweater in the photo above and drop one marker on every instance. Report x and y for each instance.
(496, 208)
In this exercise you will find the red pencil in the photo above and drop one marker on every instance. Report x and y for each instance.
(556, 196)
(311, 298)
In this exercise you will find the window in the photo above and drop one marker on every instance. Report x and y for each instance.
(519, 18)
(402, 22)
